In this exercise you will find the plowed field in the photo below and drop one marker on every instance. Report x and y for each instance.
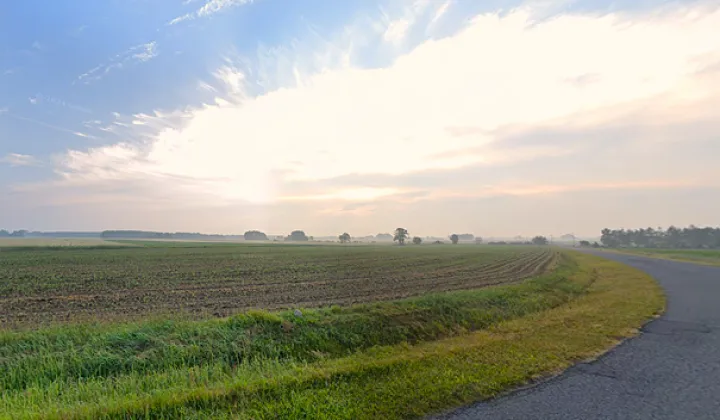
(198, 280)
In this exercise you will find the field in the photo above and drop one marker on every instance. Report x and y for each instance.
(218, 279)
(704, 256)
(140, 331)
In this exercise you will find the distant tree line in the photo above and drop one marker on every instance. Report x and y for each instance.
(672, 237)
(36, 234)
(538, 240)
(141, 234)
(14, 234)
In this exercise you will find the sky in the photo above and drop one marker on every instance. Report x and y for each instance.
(498, 118)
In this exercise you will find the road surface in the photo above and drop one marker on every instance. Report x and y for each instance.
(671, 371)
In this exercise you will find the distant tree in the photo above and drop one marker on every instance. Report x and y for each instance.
(297, 236)
(384, 237)
(466, 236)
(454, 238)
(4, 233)
(584, 243)
(255, 235)
(689, 237)
(438, 243)
(539, 240)
(417, 240)
(608, 238)
(344, 238)
(401, 234)
(478, 240)
(595, 245)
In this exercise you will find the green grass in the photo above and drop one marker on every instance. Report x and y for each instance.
(703, 256)
(339, 362)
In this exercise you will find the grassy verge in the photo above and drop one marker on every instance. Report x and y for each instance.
(342, 363)
(699, 256)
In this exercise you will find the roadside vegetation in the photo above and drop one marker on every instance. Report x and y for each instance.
(355, 361)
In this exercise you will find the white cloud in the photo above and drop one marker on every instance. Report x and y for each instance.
(147, 52)
(136, 54)
(436, 107)
(44, 124)
(209, 8)
(396, 31)
(16, 159)
(43, 99)
(440, 11)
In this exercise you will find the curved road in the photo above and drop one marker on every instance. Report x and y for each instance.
(671, 371)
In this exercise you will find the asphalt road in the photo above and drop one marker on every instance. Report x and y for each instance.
(671, 371)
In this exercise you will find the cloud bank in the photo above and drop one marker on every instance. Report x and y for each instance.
(506, 106)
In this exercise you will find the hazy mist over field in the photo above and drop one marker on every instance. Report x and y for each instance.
(500, 118)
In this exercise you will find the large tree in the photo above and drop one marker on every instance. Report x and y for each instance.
(255, 235)
(417, 240)
(344, 238)
(297, 236)
(400, 235)
(539, 240)
(454, 238)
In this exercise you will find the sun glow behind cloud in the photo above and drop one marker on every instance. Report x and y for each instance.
(437, 106)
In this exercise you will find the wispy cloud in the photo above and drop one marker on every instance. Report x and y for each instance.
(136, 54)
(78, 31)
(17, 159)
(209, 8)
(40, 99)
(396, 31)
(50, 126)
(440, 11)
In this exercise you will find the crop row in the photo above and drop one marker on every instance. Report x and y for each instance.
(136, 283)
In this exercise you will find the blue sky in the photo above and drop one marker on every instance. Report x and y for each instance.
(226, 115)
